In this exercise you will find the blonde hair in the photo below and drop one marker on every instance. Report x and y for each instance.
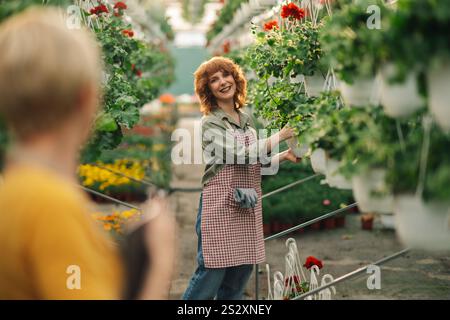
(206, 70)
(43, 68)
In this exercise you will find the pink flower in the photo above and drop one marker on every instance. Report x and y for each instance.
(326, 202)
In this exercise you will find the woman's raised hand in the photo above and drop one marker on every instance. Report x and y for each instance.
(290, 156)
(286, 133)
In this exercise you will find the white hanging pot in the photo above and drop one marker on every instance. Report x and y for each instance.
(359, 94)
(387, 221)
(333, 178)
(297, 79)
(399, 99)
(319, 161)
(422, 225)
(298, 149)
(365, 184)
(439, 93)
(314, 84)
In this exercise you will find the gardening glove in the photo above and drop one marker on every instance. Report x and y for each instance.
(246, 197)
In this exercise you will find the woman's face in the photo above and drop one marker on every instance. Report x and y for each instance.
(222, 85)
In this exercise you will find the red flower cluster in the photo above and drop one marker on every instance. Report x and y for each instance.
(118, 8)
(101, 8)
(120, 5)
(312, 261)
(291, 10)
(129, 33)
(270, 25)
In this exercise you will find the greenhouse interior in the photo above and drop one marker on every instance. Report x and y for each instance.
(225, 149)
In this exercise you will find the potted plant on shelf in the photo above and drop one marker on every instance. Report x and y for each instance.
(352, 49)
(420, 179)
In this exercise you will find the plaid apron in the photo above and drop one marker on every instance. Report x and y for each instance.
(231, 235)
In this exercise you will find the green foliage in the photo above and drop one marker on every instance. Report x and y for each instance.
(225, 17)
(302, 202)
(352, 49)
(285, 53)
(135, 73)
(404, 172)
(11, 7)
(417, 32)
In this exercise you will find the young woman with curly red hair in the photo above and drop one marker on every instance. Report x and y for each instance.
(229, 219)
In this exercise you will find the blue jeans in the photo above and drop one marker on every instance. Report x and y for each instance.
(220, 283)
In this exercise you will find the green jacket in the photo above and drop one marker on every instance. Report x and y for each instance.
(216, 121)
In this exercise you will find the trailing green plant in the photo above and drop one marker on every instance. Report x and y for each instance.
(286, 53)
(225, 16)
(351, 48)
(135, 72)
(416, 34)
(404, 173)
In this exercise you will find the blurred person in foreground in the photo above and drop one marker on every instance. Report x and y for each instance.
(49, 96)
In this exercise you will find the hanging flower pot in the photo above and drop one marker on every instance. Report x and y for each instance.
(365, 184)
(359, 94)
(439, 93)
(422, 225)
(399, 99)
(387, 221)
(314, 84)
(319, 161)
(335, 179)
(298, 149)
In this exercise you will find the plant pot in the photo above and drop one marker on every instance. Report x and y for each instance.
(359, 94)
(298, 149)
(335, 179)
(367, 222)
(297, 79)
(329, 223)
(439, 94)
(266, 229)
(422, 225)
(315, 226)
(339, 221)
(319, 161)
(365, 184)
(387, 221)
(399, 99)
(314, 84)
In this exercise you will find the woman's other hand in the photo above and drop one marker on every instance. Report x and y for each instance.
(290, 156)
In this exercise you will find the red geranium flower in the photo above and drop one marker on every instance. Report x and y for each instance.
(129, 33)
(139, 73)
(270, 25)
(120, 5)
(291, 10)
(312, 261)
(101, 8)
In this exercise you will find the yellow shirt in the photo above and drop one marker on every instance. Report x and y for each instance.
(49, 244)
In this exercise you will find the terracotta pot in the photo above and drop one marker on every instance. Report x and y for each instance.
(367, 223)
(329, 223)
(339, 221)
(275, 226)
(315, 226)
(267, 229)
